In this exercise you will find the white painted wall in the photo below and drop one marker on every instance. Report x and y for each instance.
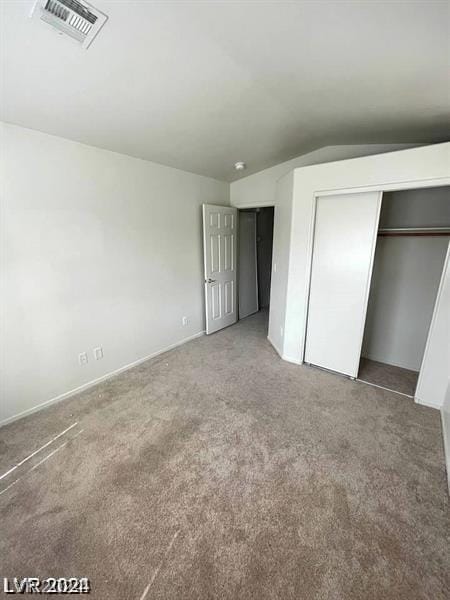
(405, 280)
(280, 261)
(98, 249)
(259, 189)
(429, 207)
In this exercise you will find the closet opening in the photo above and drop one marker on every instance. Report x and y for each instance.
(255, 245)
(412, 243)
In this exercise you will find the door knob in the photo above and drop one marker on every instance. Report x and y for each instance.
(209, 280)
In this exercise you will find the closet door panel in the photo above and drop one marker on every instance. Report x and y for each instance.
(434, 373)
(344, 244)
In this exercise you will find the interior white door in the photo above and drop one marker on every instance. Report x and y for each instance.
(248, 265)
(219, 248)
(344, 245)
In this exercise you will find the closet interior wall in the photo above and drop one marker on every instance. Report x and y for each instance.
(406, 274)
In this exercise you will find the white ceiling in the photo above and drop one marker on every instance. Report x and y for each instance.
(201, 85)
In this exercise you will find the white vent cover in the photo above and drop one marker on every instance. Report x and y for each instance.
(79, 20)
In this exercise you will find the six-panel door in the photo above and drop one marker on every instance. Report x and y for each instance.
(220, 245)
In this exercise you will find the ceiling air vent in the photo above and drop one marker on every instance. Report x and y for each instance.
(79, 20)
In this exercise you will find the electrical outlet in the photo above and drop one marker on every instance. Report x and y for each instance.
(185, 321)
(281, 331)
(83, 358)
(98, 353)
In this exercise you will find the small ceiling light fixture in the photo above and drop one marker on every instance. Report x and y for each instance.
(240, 165)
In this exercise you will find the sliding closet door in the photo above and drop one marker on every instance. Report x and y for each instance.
(433, 378)
(344, 244)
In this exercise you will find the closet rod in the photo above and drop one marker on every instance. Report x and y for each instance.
(417, 231)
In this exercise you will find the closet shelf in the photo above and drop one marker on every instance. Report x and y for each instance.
(418, 231)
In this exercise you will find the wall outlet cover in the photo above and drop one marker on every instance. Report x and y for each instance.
(83, 358)
(98, 353)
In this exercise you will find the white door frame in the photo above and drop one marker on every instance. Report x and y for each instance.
(389, 187)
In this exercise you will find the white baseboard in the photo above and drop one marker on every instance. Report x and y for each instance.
(295, 361)
(429, 404)
(94, 382)
(383, 360)
(275, 347)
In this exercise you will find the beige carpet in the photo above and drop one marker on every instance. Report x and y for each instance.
(219, 471)
(395, 378)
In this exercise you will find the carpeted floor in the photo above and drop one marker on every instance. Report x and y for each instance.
(389, 376)
(218, 471)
